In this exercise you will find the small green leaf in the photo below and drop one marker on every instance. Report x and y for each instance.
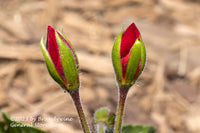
(101, 115)
(17, 127)
(138, 129)
(111, 119)
(104, 118)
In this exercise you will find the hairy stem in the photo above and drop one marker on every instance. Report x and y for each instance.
(76, 98)
(122, 99)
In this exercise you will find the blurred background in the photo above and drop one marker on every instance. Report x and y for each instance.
(167, 94)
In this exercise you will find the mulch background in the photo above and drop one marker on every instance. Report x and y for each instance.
(167, 94)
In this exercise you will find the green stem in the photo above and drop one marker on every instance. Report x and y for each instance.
(122, 99)
(100, 128)
(76, 98)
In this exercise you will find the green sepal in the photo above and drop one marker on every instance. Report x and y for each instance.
(116, 57)
(133, 63)
(69, 65)
(74, 53)
(50, 65)
(143, 58)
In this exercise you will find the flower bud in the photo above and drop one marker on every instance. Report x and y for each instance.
(128, 56)
(61, 59)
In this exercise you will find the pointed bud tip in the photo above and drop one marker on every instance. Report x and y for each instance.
(128, 39)
(133, 29)
(49, 27)
(50, 30)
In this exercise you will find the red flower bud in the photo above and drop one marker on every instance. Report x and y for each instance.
(61, 59)
(128, 55)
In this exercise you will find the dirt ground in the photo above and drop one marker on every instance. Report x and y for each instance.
(167, 94)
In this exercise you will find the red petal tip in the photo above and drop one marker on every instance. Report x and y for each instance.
(52, 48)
(128, 39)
(49, 27)
(50, 30)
